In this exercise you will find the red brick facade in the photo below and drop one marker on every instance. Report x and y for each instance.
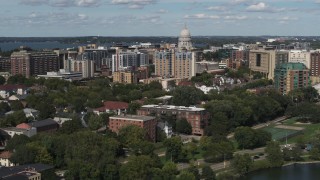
(148, 123)
(197, 117)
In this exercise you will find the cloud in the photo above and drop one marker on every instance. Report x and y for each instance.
(133, 4)
(162, 11)
(258, 7)
(235, 17)
(201, 16)
(263, 7)
(62, 3)
(317, 1)
(217, 8)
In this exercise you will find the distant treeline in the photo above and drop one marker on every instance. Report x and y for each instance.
(203, 40)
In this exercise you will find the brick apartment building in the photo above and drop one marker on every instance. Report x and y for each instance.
(148, 123)
(290, 76)
(197, 117)
(315, 64)
(5, 64)
(34, 63)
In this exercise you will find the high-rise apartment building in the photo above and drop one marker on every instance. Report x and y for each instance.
(86, 67)
(128, 60)
(20, 63)
(300, 56)
(169, 63)
(5, 64)
(315, 64)
(164, 63)
(290, 76)
(43, 61)
(34, 63)
(184, 65)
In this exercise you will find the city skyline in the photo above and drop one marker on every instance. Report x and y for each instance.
(39, 18)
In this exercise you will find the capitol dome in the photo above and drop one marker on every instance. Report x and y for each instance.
(185, 32)
(185, 39)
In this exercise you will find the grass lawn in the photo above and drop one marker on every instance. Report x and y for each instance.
(279, 134)
(309, 131)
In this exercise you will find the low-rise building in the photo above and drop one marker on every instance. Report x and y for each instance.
(63, 74)
(148, 123)
(116, 107)
(197, 117)
(47, 125)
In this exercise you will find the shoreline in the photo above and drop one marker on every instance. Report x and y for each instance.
(302, 162)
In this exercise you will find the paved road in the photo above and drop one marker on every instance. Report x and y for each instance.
(259, 126)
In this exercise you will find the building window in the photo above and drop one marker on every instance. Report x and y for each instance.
(258, 60)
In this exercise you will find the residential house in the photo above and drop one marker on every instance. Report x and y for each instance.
(166, 128)
(4, 159)
(8, 89)
(12, 131)
(116, 107)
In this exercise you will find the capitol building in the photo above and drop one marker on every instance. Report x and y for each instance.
(185, 39)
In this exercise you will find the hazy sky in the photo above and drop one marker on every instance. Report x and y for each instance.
(158, 17)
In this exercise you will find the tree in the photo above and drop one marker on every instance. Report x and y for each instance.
(131, 135)
(183, 126)
(133, 107)
(194, 170)
(274, 154)
(95, 122)
(2, 80)
(4, 107)
(72, 126)
(208, 173)
(16, 105)
(46, 110)
(174, 148)
(247, 137)
(16, 141)
(242, 164)
(138, 167)
(186, 96)
(314, 154)
(185, 175)
(15, 118)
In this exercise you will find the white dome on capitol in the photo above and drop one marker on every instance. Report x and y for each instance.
(185, 32)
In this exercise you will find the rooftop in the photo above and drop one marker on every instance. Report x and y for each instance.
(42, 123)
(14, 129)
(130, 117)
(180, 108)
(113, 105)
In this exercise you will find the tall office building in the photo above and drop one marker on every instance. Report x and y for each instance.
(263, 61)
(315, 64)
(290, 76)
